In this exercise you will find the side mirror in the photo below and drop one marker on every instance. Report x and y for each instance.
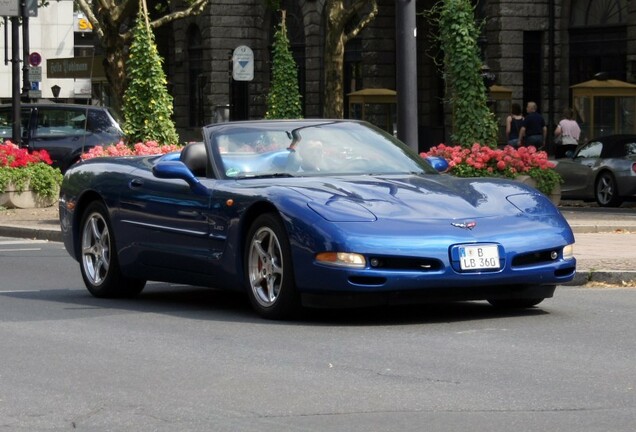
(172, 169)
(439, 163)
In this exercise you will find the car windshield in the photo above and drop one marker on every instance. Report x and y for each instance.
(311, 149)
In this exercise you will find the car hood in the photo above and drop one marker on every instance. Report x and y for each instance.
(412, 198)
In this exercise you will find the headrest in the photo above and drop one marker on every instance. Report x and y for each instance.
(195, 158)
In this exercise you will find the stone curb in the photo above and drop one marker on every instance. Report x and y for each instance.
(610, 277)
(31, 233)
(593, 229)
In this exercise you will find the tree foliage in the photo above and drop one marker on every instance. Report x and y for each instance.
(112, 22)
(345, 20)
(465, 89)
(147, 104)
(283, 99)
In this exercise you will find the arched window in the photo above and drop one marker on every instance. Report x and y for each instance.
(196, 78)
(587, 13)
(598, 39)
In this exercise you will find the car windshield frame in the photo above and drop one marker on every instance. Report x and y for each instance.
(298, 148)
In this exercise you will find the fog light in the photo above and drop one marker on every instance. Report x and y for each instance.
(568, 252)
(344, 259)
(554, 255)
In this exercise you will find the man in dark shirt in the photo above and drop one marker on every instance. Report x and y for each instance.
(533, 131)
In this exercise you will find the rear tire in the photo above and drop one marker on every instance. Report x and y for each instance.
(98, 257)
(269, 271)
(606, 191)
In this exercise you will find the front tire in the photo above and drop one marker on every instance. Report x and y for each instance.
(268, 269)
(606, 191)
(98, 261)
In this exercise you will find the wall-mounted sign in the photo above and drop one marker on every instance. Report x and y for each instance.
(243, 64)
(82, 24)
(9, 8)
(76, 67)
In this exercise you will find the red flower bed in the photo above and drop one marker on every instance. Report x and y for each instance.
(15, 157)
(484, 161)
(139, 149)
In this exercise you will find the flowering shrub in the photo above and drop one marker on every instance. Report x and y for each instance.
(21, 169)
(13, 156)
(139, 149)
(484, 161)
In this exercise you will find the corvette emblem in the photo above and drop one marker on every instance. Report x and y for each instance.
(465, 225)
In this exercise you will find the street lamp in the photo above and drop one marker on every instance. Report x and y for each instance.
(56, 91)
(489, 79)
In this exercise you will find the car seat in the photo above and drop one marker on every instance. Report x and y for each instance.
(195, 158)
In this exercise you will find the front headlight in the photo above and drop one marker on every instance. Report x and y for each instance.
(342, 259)
(568, 252)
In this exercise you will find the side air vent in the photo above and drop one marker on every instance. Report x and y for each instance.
(401, 263)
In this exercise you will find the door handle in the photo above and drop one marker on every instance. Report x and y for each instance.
(135, 183)
(189, 213)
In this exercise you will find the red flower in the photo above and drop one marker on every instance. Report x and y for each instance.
(139, 149)
(481, 161)
(15, 157)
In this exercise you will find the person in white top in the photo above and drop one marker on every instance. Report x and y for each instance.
(567, 134)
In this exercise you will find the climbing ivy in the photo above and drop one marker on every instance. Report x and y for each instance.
(283, 99)
(147, 104)
(465, 90)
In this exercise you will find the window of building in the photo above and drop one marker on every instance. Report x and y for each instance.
(587, 13)
(352, 70)
(532, 67)
(598, 39)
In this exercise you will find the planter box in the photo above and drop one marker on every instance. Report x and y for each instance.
(555, 195)
(12, 198)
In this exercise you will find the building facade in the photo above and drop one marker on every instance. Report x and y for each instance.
(50, 36)
(537, 50)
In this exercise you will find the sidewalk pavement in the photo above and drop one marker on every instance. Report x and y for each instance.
(605, 246)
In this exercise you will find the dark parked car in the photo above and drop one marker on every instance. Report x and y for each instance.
(312, 212)
(603, 169)
(65, 131)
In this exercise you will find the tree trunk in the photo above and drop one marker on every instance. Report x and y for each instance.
(338, 18)
(334, 60)
(334, 88)
(115, 69)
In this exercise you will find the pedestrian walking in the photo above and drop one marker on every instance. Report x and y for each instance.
(566, 134)
(533, 131)
(513, 125)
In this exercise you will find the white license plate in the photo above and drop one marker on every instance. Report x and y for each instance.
(479, 257)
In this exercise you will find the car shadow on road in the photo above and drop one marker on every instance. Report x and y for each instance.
(208, 304)
(430, 313)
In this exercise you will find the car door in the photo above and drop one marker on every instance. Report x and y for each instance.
(61, 131)
(6, 124)
(167, 224)
(578, 174)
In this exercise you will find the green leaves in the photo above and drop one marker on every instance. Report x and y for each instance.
(147, 104)
(466, 92)
(283, 99)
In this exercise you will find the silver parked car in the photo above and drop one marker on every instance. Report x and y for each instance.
(603, 169)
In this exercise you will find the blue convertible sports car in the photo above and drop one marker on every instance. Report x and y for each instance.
(311, 212)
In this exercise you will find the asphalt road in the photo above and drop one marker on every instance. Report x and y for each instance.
(193, 359)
